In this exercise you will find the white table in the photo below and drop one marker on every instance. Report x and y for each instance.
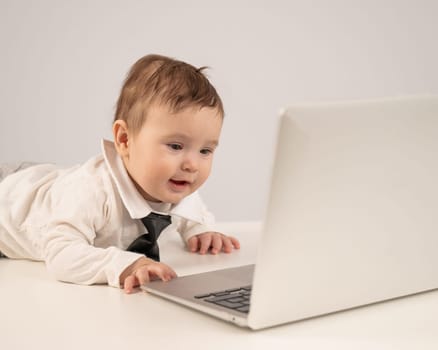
(38, 312)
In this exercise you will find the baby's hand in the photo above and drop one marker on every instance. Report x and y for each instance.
(142, 271)
(213, 241)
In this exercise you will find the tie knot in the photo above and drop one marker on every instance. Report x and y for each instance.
(147, 244)
(155, 223)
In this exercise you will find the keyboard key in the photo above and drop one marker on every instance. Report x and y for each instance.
(243, 309)
(202, 296)
(235, 298)
(216, 299)
(229, 305)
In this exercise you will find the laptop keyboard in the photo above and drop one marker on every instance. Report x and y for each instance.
(237, 299)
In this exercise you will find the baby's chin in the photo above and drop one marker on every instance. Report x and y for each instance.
(169, 196)
(176, 198)
(150, 198)
(171, 199)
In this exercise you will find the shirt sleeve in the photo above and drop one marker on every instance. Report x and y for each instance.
(78, 212)
(188, 228)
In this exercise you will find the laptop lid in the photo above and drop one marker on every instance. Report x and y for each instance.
(351, 218)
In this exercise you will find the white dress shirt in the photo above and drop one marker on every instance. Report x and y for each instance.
(81, 219)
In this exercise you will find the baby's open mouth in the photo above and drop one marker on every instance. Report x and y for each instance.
(179, 182)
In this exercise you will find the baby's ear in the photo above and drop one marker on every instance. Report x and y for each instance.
(121, 136)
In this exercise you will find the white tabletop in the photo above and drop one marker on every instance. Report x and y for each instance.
(37, 312)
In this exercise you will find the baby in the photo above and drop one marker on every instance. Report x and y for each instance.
(99, 222)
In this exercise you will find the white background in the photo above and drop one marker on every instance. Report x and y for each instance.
(62, 64)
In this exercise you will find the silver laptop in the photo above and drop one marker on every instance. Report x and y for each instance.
(351, 219)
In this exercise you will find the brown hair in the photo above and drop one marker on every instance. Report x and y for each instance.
(163, 80)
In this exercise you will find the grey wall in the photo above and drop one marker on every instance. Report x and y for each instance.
(62, 64)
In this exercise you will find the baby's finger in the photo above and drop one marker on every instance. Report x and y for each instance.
(205, 243)
(228, 245)
(193, 244)
(142, 275)
(235, 242)
(168, 271)
(161, 271)
(216, 244)
(172, 273)
(129, 284)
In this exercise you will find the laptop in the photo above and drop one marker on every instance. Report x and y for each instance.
(351, 217)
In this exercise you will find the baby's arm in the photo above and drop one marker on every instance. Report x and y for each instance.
(142, 271)
(213, 242)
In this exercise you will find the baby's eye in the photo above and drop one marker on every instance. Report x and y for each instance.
(206, 151)
(175, 146)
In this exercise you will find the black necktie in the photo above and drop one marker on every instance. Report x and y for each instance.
(147, 244)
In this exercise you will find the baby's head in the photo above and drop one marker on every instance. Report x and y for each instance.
(160, 80)
(167, 126)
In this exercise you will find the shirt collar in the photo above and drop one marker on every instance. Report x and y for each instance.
(191, 207)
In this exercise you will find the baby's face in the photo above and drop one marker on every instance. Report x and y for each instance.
(171, 156)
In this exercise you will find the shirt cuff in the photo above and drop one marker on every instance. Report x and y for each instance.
(120, 262)
(195, 230)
